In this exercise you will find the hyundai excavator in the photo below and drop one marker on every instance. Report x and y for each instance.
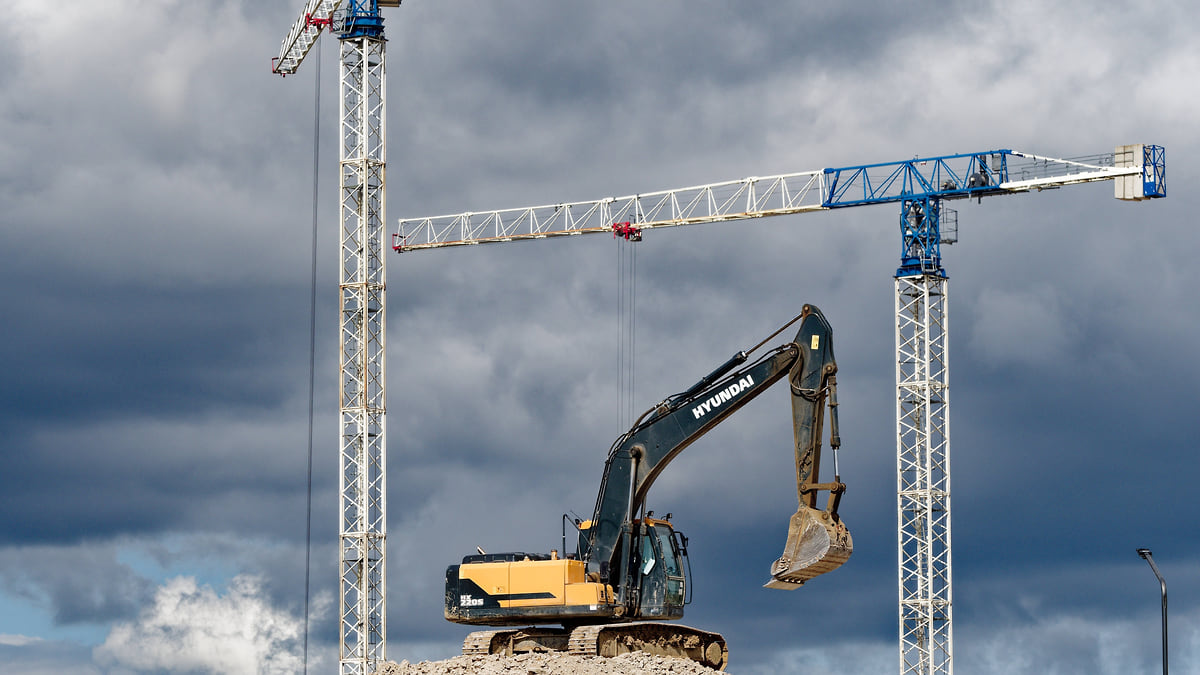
(627, 575)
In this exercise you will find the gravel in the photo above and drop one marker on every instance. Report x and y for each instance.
(635, 663)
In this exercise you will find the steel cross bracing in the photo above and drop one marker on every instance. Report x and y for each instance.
(362, 311)
(922, 331)
(923, 473)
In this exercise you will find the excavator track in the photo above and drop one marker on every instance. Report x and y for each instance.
(480, 642)
(515, 641)
(660, 639)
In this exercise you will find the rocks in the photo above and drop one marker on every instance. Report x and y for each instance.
(636, 663)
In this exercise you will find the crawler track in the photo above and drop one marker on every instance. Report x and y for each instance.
(660, 639)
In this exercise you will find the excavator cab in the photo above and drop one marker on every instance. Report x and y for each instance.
(658, 570)
(655, 576)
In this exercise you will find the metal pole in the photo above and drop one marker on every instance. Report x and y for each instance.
(1149, 557)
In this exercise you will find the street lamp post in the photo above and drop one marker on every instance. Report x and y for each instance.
(1148, 557)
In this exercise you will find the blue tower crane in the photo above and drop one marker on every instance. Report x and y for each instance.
(923, 188)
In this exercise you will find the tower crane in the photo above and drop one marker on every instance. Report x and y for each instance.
(359, 28)
(922, 188)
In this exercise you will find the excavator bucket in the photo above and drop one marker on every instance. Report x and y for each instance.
(817, 543)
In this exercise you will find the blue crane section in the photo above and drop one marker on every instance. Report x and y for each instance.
(921, 184)
(361, 18)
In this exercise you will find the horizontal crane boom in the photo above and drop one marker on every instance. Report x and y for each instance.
(978, 174)
(304, 33)
(731, 200)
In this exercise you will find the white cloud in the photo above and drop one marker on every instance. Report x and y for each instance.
(192, 628)
(17, 640)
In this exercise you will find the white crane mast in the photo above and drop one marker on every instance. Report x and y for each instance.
(362, 315)
(923, 474)
(363, 393)
(921, 320)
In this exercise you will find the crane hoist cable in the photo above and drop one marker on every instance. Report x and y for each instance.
(624, 234)
(622, 334)
(312, 348)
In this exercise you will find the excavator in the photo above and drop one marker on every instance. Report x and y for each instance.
(627, 577)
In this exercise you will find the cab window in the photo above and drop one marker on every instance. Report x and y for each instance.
(670, 556)
(649, 557)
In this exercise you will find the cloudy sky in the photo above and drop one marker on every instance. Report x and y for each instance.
(156, 184)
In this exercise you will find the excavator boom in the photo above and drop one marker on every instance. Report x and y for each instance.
(818, 541)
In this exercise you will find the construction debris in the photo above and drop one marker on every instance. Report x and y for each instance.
(553, 663)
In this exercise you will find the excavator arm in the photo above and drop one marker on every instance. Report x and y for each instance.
(817, 540)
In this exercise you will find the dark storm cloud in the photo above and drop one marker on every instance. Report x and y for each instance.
(605, 87)
(578, 55)
(148, 351)
(156, 230)
(155, 311)
(107, 391)
(86, 585)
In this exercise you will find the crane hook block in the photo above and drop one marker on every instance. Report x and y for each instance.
(628, 231)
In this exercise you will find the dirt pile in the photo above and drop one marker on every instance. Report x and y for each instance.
(636, 663)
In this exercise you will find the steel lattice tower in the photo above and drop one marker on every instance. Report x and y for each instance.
(362, 290)
(363, 384)
(923, 474)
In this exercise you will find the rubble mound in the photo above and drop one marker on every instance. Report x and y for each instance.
(635, 663)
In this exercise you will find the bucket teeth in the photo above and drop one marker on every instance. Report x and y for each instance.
(816, 544)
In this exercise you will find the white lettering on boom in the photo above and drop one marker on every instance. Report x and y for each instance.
(722, 397)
